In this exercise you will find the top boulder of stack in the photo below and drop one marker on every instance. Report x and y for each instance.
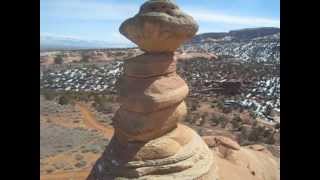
(160, 26)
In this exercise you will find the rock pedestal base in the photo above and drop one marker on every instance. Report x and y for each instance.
(180, 154)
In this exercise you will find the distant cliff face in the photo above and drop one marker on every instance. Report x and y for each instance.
(236, 35)
(247, 34)
(51, 42)
(251, 45)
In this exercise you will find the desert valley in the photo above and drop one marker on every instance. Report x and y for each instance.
(234, 81)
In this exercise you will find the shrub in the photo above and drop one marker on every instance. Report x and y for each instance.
(80, 164)
(58, 59)
(84, 58)
(220, 105)
(226, 110)
(212, 105)
(253, 114)
(236, 121)
(219, 119)
(237, 117)
(64, 100)
(48, 95)
(78, 157)
(193, 107)
(256, 133)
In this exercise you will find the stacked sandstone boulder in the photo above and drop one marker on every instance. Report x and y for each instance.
(149, 143)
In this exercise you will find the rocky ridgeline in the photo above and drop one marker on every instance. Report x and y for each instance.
(252, 46)
(85, 56)
(260, 45)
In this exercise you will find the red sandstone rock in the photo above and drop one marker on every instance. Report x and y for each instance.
(152, 94)
(135, 126)
(247, 164)
(150, 65)
(189, 56)
(227, 142)
(160, 26)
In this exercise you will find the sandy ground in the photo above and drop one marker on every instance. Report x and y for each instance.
(67, 156)
(91, 122)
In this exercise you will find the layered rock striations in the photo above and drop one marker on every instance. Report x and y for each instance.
(148, 142)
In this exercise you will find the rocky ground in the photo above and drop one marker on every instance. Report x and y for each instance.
(67, 141)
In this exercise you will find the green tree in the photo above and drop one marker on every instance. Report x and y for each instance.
(84, 58)
(48, 95)
(58, 59)
(64, 100)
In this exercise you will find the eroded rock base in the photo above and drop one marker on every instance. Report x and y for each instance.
(184, 155)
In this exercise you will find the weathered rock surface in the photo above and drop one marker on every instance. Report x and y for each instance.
(150, 65)
(247, 164)
(152, 94)
(134, 126)
(194, 55)
(215, 141)
(253, 162)
(160, 26)
(192, 160)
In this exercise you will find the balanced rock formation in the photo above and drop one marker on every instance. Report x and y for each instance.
(148, 142)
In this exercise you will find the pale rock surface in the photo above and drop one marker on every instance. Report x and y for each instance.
(252, 162)
(134, 126)
(192, 159)
(247, 164)
(195, 55)
(152, 94)
(160, 26)
(150, 65)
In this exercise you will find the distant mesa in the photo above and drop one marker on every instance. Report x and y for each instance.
(50, 42)
(241, 34)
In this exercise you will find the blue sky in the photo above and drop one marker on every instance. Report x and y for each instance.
(100, 19)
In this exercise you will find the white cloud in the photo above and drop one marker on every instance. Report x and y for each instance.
(88, 10)
(91, 10)
(46, 34)
(112, 14)
(208, 16)
(115, 39)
